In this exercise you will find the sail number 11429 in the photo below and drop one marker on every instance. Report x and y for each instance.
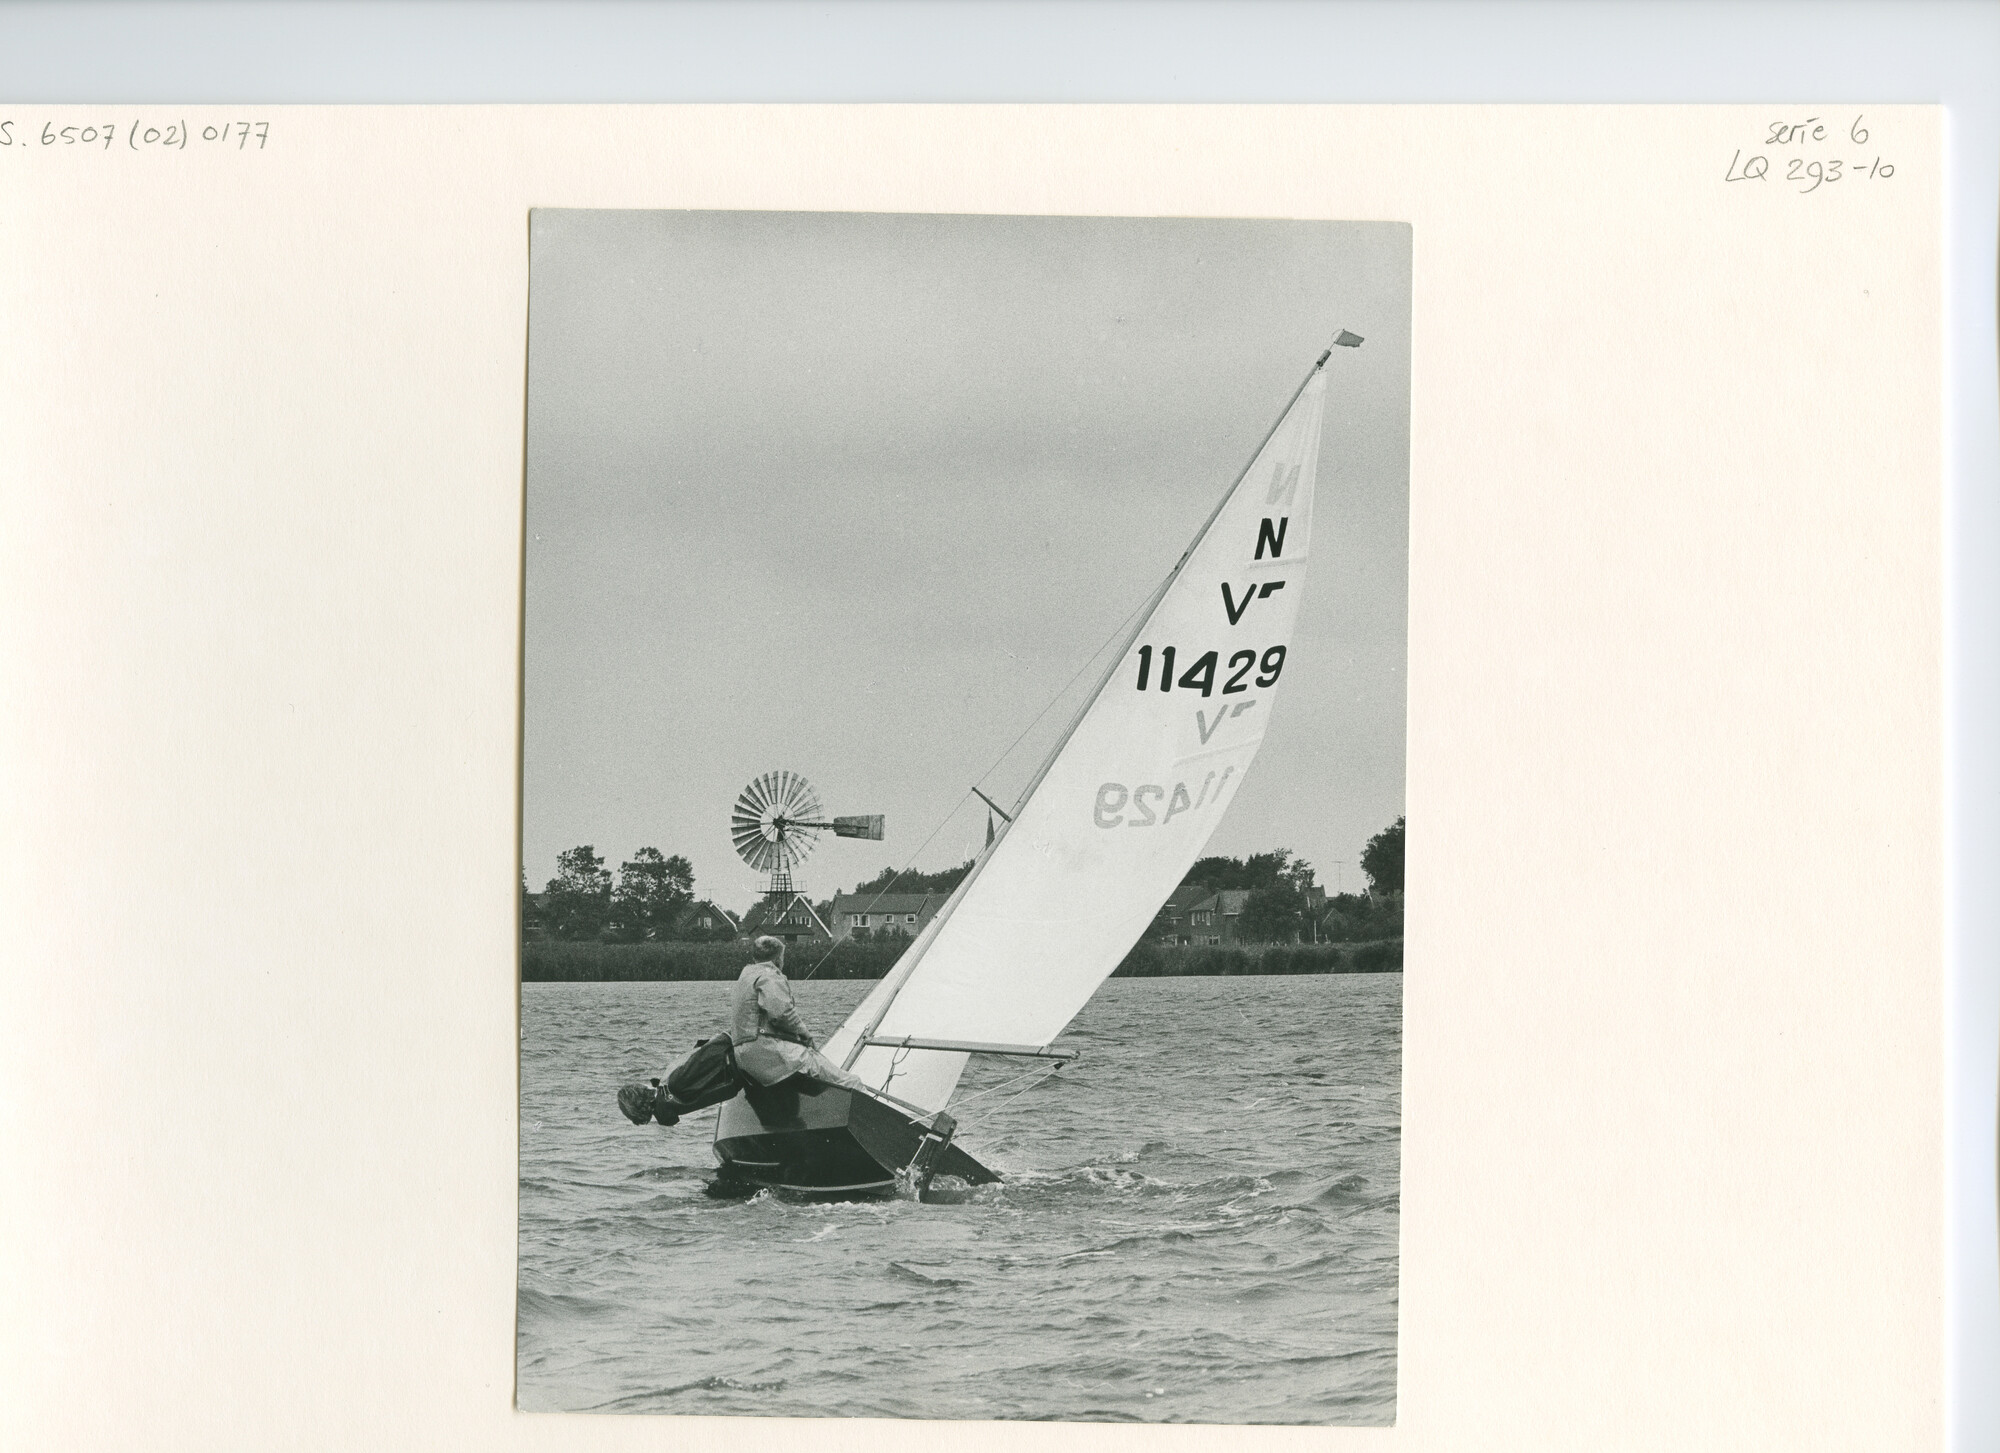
(1200, 676)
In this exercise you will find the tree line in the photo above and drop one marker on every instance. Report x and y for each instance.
(650, 899)
(549, 960)
(1280, 908)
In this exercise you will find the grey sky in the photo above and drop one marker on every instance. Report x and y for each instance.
(857, 494)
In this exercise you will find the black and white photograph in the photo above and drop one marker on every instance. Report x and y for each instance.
(963, 761)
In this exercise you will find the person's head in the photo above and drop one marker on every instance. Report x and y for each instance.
(768, 950)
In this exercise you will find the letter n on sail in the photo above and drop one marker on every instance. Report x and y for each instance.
(1272, 537)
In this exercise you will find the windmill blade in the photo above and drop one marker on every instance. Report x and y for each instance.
(785, 791)
(749, 825)
(797, 794)
(776, 821)
(754, 803)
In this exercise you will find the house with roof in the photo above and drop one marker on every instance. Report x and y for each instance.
(1214, 918)
(1172, 919)
(877, 915)
(789, 916)
(708, 919)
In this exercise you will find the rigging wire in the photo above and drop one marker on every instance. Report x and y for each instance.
(1117, 631)
(1039, 1075)
(1042, 1070)
(953, 811)
(892, 880)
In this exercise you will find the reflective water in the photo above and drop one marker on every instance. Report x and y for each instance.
(1199, 1223)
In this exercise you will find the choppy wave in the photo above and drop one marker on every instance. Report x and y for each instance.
(923, 1278)
(531, 1303)
(1198, 1224)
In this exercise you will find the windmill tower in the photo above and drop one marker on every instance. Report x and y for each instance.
(775, 824)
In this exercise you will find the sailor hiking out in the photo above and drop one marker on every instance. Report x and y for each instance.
(772, 1041)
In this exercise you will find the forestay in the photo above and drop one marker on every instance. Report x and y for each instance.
(1127, 801)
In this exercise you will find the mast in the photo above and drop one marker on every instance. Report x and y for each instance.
(900, 975)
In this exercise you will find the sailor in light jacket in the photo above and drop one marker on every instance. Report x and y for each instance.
(772, 1042)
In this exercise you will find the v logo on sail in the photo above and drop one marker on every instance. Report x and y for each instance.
(1207, 728)
(1250, 592)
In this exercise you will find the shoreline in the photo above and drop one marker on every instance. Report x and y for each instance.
(552, 961)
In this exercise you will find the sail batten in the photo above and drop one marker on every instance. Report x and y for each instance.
(1124, 801)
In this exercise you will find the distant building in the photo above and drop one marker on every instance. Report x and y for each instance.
(788, 916)
(705, 917)
(1175, 913)
(879, 914)
(1214, 919)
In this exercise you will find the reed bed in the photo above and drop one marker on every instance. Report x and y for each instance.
(550, 961)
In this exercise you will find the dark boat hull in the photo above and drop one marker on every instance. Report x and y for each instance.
(802, 1135)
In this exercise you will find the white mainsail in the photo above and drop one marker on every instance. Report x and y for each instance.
(1124, 806)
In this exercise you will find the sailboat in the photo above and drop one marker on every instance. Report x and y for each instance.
(1107, 827)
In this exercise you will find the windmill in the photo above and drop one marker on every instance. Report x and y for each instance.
(775, 825)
